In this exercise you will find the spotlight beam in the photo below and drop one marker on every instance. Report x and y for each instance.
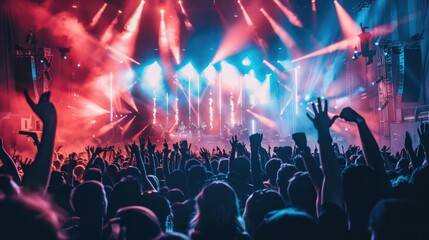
(97, 16)
(293, 19)
(283, 35)
(348, 26)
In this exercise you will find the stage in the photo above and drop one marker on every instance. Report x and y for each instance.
(207, 70)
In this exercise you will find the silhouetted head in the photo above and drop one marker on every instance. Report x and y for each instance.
(173, 236)
(57, 179)
(361, 191)
(298, 161)
(290, 223)
(177, 179)
(28, 217)
(132, 223)
(215, 166)
(175, 195)
(93, 174)
(112, 170)
(196, 177)
(89, 200)
(271, 168)
(125, 193)
(159, 173)
(241, 168)
(223, 165)
(258, 205)
(285, 173)
(395, 219)
(190, 163)
(302, 193)
(157, 203)
(78, 172)
(217, 209)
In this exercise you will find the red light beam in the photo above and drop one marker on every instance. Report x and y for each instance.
(97, 16)
(348, 26)
(283, 35)
(293, 19)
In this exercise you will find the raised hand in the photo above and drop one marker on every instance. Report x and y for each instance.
(204, 153)
(150, 147)
(166, 150)
(240, 148)
(97, 151)
(134, 148)
(423, 132)
(408, 142)
(176, 147)
(26, 164)
(351, 115)
(44, 109)
(300, 140)
(184, 148)
(321, 121)
(256, 139)
(234, 142)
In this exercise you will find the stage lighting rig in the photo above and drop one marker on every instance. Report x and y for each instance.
(355, 54)
(383, 106)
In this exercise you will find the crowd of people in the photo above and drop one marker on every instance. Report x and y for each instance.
(144, 191)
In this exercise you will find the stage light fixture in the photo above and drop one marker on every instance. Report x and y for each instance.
(377, 81)
(63, 51)
(383, 106)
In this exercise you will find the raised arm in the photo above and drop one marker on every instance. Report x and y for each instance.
(165, 162)
(204, 153)
(331, 187)
(311, 165)
(147, 185)
(234, 144)
(410, 151)
(255, 144)
(370, 147)
(424, 138)
(8, 164)
(38, 177)
(185, 153)
(151, 150)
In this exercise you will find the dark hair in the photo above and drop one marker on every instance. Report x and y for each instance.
(258, 205)
(217, 209)
(290, 222)
(272, 166)
(30, 216)
(302, 193)
(88, 197)
(132, 223)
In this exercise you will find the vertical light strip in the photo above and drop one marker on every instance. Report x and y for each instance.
(296, 90)
(220, 103)
(111, 97)
(198, 100)
(166, 108)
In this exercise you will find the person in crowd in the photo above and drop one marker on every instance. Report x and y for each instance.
(174, 193)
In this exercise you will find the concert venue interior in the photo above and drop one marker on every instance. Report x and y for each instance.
(209, 69)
